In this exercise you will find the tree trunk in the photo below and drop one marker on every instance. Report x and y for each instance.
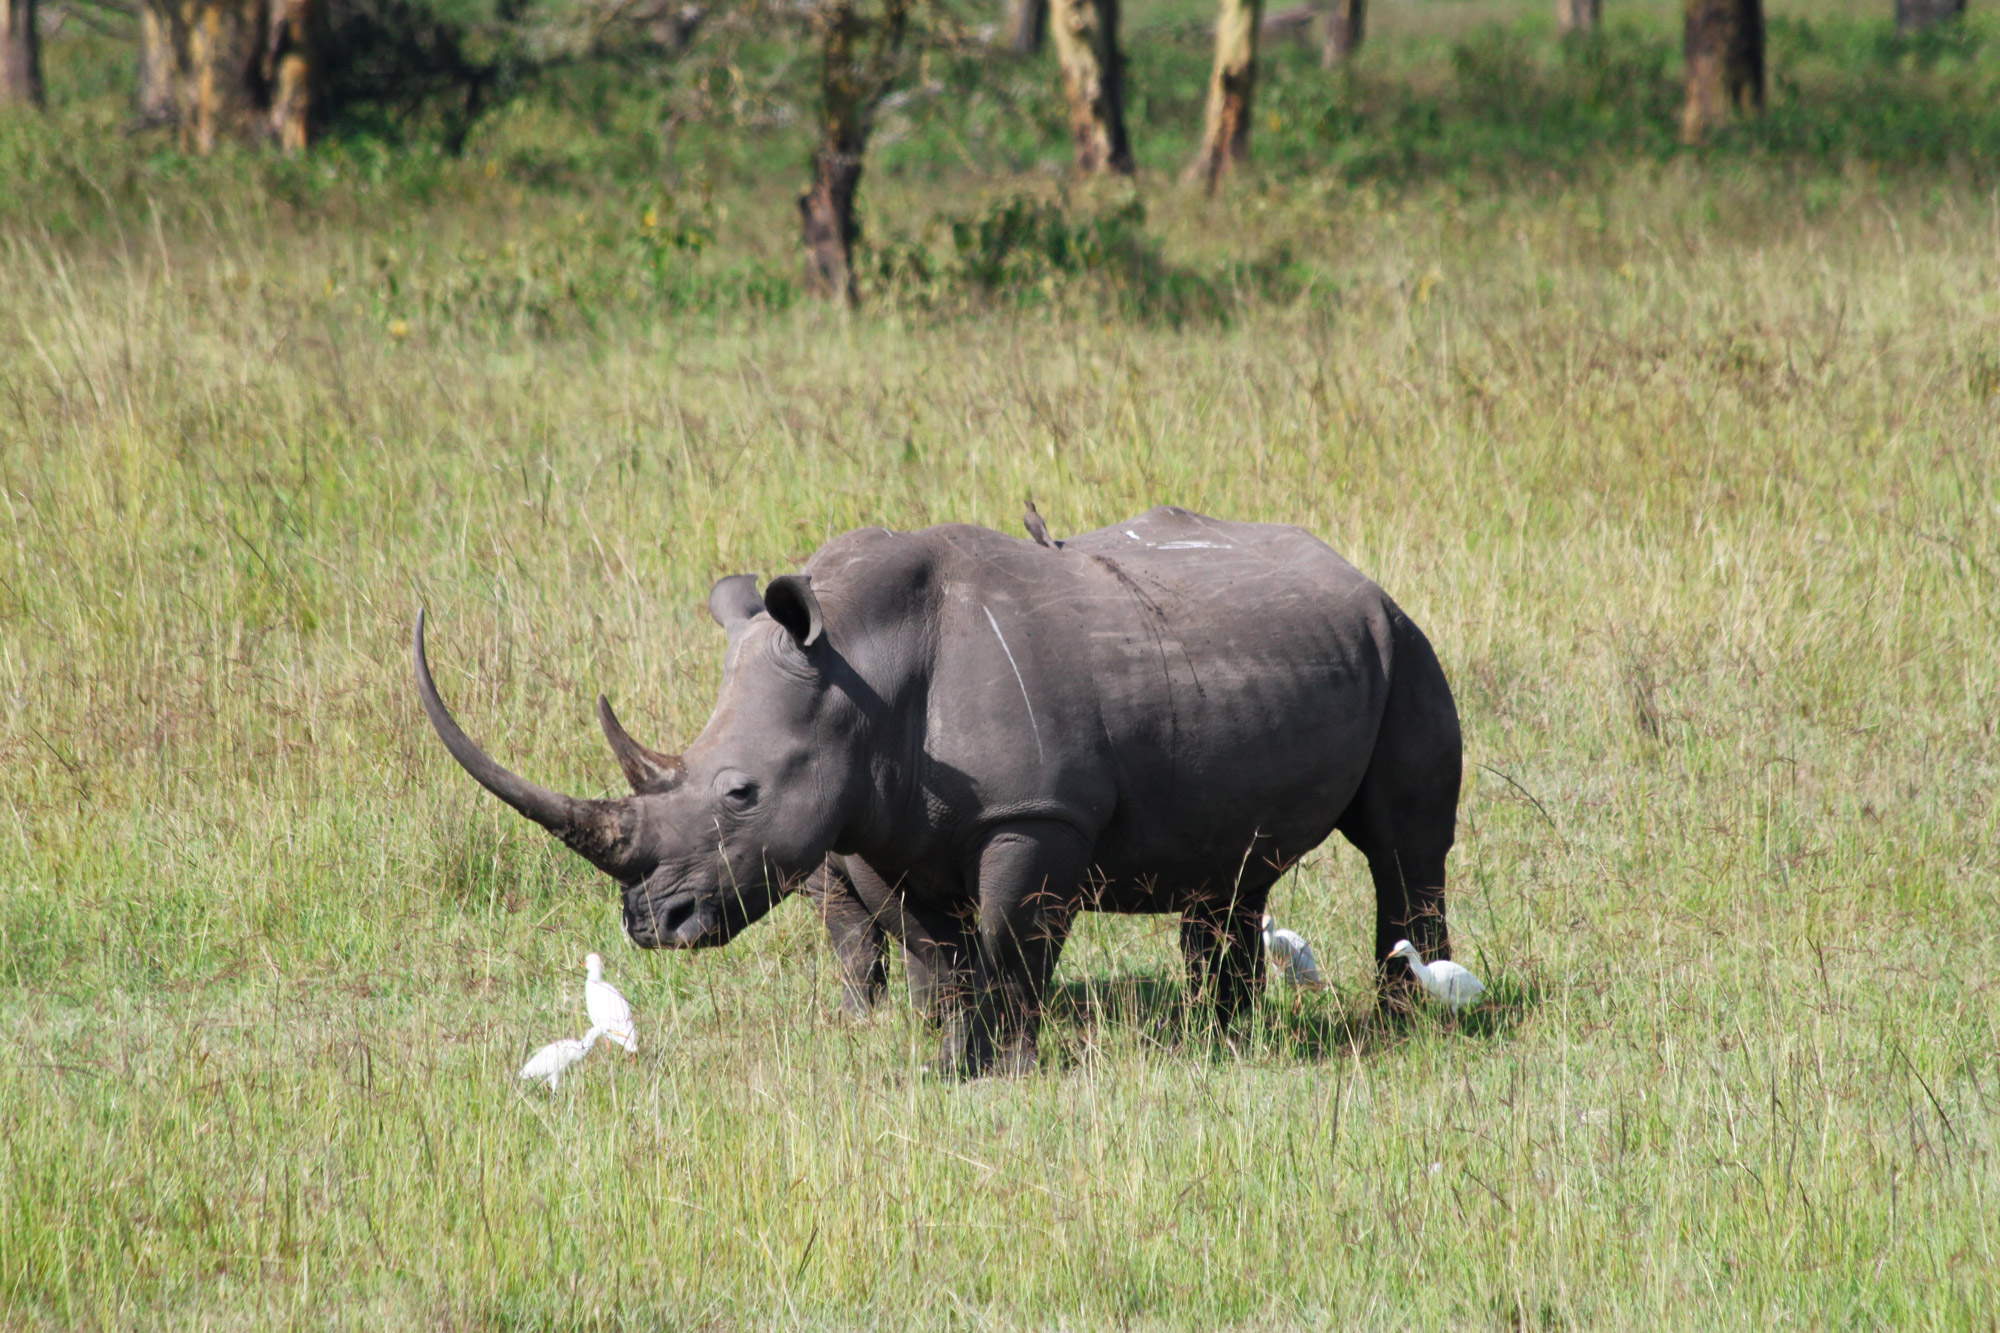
(1026, 22)
(1086, 35)
(156, 68)
(1578, 15)
(1225, 139)
(288, 71)
(216, 49)
(220, 70)
(826, 212)
(1913, 16)
(1724, 55)
(860, 55)
(1345, 20)
(20, 54)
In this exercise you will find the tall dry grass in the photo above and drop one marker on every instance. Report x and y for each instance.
(1690, 477)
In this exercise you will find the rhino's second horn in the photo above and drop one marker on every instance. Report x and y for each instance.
(645, 769)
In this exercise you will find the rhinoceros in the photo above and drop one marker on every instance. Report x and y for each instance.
(1162, 715)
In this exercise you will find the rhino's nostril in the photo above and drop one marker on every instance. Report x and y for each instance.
(652, 923)
(677, 914)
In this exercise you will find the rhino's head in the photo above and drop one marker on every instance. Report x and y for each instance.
(710, 839)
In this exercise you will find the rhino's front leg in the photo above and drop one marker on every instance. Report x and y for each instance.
(936, 945)
(1224, 947)
(1027, 878)
(854, 931)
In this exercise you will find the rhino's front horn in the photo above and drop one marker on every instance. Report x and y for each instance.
(599, 831)
(647, 770)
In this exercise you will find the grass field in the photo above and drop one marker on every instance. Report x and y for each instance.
(1687, 463)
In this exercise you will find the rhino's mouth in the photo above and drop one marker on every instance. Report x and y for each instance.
(670, 917)
(677, 921)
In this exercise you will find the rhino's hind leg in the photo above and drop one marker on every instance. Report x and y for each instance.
(1404, 818)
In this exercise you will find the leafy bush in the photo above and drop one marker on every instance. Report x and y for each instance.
(1029, 252)
(571, 276)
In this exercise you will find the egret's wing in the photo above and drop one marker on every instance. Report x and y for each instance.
(1305, 965)
(606, 1006)
(551, 1059)
(1459, 986)
(1458, 975)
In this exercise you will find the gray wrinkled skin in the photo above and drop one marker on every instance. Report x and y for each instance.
(991, 735)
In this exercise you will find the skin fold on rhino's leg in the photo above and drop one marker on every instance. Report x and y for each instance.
(1223, 943)
(1029, 877)
(854, 932)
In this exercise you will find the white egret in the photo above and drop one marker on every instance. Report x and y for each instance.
(549, 1062)
(1289, 950)
(1445, 979)
(609, 1013)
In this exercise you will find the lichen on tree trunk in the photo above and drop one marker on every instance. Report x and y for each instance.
(1093, 69)
(860, 56)
(220, 70)
(288, 71)
(1724, 54)
(826, 211)
(1578, 15)
(1026, 21)
(1345, 23)
(1225, 139)
(216, 46)
(20, 54)
(156, 67)
(1913, 16)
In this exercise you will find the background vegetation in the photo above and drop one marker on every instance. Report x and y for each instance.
(1685, 459)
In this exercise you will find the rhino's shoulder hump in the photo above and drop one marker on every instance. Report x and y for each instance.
(879, 572)
(868, 554)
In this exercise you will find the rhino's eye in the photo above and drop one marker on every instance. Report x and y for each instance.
(738, 790)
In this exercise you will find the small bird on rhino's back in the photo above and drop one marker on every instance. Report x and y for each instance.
(609, 1013)
(1032, 521)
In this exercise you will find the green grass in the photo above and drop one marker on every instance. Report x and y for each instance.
(1686, 462)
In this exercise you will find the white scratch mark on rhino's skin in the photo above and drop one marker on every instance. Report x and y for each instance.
(1194, 546)
(1032, 724)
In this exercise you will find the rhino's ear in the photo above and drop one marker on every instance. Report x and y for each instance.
(734, 601)
(790, 600)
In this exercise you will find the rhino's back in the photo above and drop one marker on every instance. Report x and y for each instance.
(1238, 572)
(1176, 684)
(1242, 688)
